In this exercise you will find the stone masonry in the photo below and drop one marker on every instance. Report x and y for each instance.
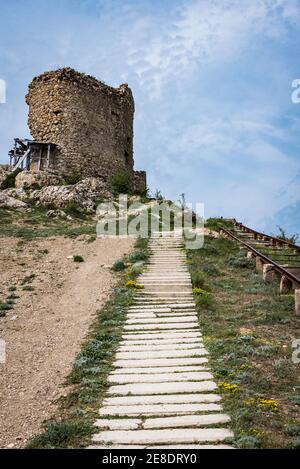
(90, 123)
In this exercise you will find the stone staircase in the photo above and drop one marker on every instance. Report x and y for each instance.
(162, 394)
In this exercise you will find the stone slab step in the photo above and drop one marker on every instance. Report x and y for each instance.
(162, 422)
(171, 288)
(127, 347)
(199, 398)
(185, 421)
(162, 342)
(160, 369)
(172, 315)
(118, 424)
(162, 388)
(170, 436)
(160, 335)
(160, 377)
(157, 362)
(176, 353)
(159, 320)
(159, 326)
(158, 409)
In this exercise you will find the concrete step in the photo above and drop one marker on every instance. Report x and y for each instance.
(169, 436)
(158, 409)
(162, 399)
(176, 353)
(127, 346)
(161, 388)
(160, 377)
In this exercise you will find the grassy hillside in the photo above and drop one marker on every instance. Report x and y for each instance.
(248, 328)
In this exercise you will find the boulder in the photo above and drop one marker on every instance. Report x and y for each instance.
(84, 194)
(9, 202)
(30, 179)
(20, 194)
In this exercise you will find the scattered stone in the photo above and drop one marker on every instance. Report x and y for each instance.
(11, 203)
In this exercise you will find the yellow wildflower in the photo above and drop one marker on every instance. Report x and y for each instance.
(134, 284)
(227, 387)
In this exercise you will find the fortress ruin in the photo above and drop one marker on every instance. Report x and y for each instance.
(81, 128)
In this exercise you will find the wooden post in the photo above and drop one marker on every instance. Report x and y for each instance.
(259, 264)
(48, 155)
(269, 273)
(286, 285)
(297, 301)
(40, 159)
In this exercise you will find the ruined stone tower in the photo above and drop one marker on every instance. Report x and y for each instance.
(90, 123)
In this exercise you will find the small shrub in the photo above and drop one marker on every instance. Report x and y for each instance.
(118, 266)
(292, 429)
(285, 237)
(138, 256)
(28, 288)
(12, 296)
(28, 279)
(72, 179)
(158, 195)
(78, 258)
(240, 261)
(248, 442)
(73, 209)
(6, 306)
(202, 297)
(121, 183)
(211, 270)
(295, 443)
(198, 280)
(59, 434)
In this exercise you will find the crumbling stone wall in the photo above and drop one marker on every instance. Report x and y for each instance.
(91, 123)
(140, 182)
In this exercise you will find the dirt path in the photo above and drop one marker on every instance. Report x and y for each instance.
(47, 325)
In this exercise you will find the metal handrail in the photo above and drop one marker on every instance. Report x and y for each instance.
(267, 260)
(274, 238)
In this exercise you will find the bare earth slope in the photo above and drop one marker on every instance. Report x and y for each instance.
(48, 323)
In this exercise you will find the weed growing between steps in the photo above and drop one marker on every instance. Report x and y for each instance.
(73, 425)
(248, 329)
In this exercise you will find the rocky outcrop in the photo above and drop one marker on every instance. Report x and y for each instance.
(84, 194)
(9, 202)
(4, 172)
(30, 179)
(20, 194)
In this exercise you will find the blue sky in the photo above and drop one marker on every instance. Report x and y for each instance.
(212, 87)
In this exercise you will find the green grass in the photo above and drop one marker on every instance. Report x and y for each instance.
(36, 224)
(248, 328)
(72, 427)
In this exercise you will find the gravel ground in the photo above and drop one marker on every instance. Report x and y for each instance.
(44, 331)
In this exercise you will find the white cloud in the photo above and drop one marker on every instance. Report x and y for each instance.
(202, 32)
